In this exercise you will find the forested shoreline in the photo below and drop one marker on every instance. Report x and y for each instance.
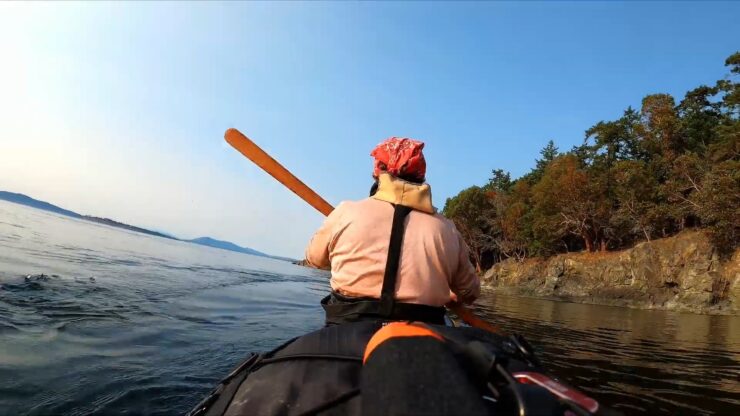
(652, 173)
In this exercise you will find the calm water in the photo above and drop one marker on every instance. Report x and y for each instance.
(132, 324)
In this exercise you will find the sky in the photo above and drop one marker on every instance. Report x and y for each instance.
(119, 109)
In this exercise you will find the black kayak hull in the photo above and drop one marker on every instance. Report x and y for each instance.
(320, 372)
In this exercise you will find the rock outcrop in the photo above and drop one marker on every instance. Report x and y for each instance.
(683, 272)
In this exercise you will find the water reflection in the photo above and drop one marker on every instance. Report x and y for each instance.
(656, 362)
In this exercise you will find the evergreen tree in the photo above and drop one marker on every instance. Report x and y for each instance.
(648, 174)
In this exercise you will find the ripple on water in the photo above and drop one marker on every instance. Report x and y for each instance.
(163, 321)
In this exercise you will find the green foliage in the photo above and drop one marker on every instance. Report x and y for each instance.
(500, 181)
(471, 210)
(732, 90)
(648, 174)
(636, 195)
(548, 153)
(719, 204)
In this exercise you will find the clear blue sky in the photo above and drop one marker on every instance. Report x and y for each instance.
(119, 109)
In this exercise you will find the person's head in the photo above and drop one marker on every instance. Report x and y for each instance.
(401, 157)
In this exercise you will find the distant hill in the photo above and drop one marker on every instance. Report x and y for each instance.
(35, 203)
(225, 245)
(204, 241)
(113, 223)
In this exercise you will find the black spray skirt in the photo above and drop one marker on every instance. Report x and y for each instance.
(321, 373)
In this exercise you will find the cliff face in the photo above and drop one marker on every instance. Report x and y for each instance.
(682, 272)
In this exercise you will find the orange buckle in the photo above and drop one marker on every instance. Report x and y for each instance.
(398, 330)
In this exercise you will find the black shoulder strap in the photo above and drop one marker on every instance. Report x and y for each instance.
(388, 293)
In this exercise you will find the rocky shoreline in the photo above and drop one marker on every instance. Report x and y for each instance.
(682, 273)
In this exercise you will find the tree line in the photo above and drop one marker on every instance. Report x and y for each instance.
(649, 174)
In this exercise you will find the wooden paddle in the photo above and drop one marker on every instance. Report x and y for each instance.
(253, 152)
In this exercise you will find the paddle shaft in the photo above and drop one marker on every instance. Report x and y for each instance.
(254, 153)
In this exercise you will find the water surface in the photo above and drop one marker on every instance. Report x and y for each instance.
(127, 323)
(639, 361)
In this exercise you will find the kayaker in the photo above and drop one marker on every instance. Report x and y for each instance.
(373, 277)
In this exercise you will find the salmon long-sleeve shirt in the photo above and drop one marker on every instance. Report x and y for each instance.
(354, 239)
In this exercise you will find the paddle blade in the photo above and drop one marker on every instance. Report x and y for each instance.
(469, 318)
(253, 152)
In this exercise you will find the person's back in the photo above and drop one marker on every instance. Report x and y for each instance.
(355, 241)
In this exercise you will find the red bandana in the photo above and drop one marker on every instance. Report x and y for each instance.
(400, 156)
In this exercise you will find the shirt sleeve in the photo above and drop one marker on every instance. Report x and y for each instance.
(317, 252)
(465, 282)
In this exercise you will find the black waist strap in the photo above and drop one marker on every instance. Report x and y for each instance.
(344, 309)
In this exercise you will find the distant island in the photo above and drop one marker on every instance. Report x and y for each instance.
(35, 203)
(226, 245)
(112, 223)
(204, 241)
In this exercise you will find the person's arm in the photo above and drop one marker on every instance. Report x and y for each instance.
(317, 252)
(465, 282)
